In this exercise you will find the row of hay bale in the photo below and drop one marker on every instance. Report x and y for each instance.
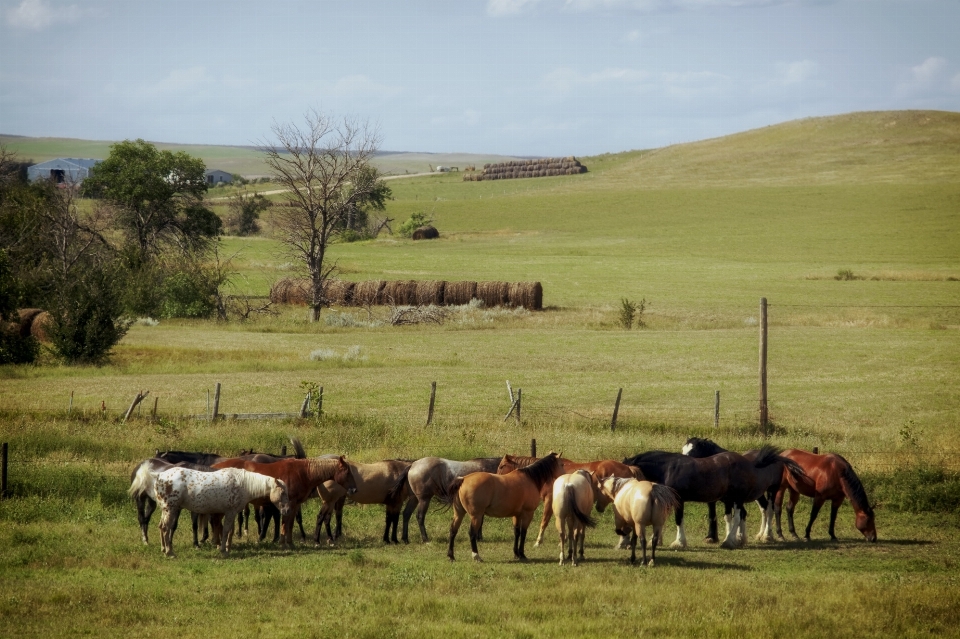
(529, 295)
(515, 169)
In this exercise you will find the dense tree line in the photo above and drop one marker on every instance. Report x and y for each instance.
(135, 239)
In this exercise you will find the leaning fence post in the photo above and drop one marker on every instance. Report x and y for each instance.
(510, 392)
(616, 409)
(3, 473)
(433, 396)
(716, 410)
(70, 408)
(216, 403)
(136, 402)
(305, 406)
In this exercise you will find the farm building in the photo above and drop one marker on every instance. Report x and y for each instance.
(62, 170)
(216, 176)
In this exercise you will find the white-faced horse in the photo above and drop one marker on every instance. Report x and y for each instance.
(573, 498)
(636, 505)
(225, 492)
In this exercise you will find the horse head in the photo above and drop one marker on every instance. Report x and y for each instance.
(701, 447)
(507, 465)
(280, 497)
(344, 476)
(866, 525)
(606, 492)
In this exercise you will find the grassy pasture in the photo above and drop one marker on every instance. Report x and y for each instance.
(865, 367)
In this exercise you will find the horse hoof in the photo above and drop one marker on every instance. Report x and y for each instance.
(477, 559)
(710, 540)
(678, 545)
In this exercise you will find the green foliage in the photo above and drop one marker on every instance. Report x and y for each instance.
(845, 275)
(245, 210)
(916, 489)
(188, 294)
(630, 311)
(13, 348)
(415, 221)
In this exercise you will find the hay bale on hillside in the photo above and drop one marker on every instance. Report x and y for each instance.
(338, 292)
(459, 293)
(292, 291)
(529, 295)
(493, 293)
(428, 292)
(40, 329)
(26, 317)
(426, 233)
(368, 293)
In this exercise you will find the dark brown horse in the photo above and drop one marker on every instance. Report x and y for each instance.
(602, 468)
(516, 494)
(301, 476)
(828, 477)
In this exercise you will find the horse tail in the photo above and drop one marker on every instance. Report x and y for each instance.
(665, 499)
(140, 480)
(796, 470)
(570, 504)
(853, 488)
(396, 493)
(637, 473)
(299, 451)
(767, 455)
(450, 493)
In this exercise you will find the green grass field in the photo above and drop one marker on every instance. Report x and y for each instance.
(865, 367)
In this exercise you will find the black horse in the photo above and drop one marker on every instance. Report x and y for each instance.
(769, 476)
(728, 477)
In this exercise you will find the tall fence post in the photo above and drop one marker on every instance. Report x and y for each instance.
(763, 364)
(433, 397)
(320, 403)
(716, 410)
(616, 409)
(216, 403)
(519, 402)
(283, 450)
(153, 413)
(816, 450)
(70, 408)
(533, 448)
(3, 472)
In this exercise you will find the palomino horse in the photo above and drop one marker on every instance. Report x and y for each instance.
(636, 505)
(602, 468)
(727, 477)
(143, 491)
(225, 492)
(573, 498)
(430, 476)
(515, 495)
(381, 482)
(828, 477)
(770, 476)
(302, 476)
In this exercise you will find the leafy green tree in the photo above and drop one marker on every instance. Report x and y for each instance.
(245, 209)
(413, 222)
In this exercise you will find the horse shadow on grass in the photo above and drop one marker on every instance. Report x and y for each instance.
(827, 544)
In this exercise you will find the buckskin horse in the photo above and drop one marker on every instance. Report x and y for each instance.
(381, 482)
(516, 494)
(573, 497)
(828, 477)
(636, 505)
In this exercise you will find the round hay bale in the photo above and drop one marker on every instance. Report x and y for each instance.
(368, 293)
(26, 317)
(426, 233)
(529, 295)
(338, 292)
(493, 293)
(292, 291)
(459, 293)
(40, 329)
(430, 292)
(400, 293)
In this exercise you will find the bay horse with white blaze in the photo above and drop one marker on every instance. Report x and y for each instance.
(516, 495)
(829, 477)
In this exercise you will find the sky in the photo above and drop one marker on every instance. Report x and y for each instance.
(515, 77)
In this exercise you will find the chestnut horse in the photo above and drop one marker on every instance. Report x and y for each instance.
(636, 505)
(516, 494)
(302, 476)
(574, 495)
(602, 468)
(829, 477)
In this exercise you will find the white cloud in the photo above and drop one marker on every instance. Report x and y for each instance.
(632, 36)
(508, 7)
(928, 78)
(796, 72)
(36, 15)
(512, 7)
(360, 86)
(564, 79)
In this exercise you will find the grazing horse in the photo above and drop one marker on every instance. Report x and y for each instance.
(602, 468)
(143, 491)
(828, 477)
(430, 476)
(515, 495)
(636, 505)
(225, 492)
(770, 476)
(573, 498)
(727, 477)
(383, 482)
(302, 476)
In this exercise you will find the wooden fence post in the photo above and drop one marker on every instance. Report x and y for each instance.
(320, 403)
(510, 392)
(716, 410)
(816, 450)
(3, 472)
(70, 408)
(153, 413)
(519, 402)
(433, 396)
(533, 448)
(216, 403)
(283, 450)
(616, 409)
(136, 402)
(763, 364)
(305, 406)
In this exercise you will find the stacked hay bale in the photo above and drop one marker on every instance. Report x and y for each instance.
(368, 293)
(493, 293)
(459, 293)
(291, 291)
(515, 169)
(339, 292)
(400, 293)
(40, 329)
(427, 293)
(529, 295)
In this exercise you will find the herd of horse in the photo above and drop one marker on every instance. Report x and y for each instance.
(643, 490)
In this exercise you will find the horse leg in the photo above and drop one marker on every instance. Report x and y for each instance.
(681, 540)
(516, 538)
(303, 535)
(563, 541)
(386, 527)
(834, 507)
(732, 519)
(643, 545)
(791, 506)
(814, 511)
(523, 541)
(742, 533)
(583, 534)
(547, 513)
(458, 513)
(576, 533)
(711, 537)
(422, 506)
(408, 509)
(657, 531)
(226, 534)
(474, 527)
(167, 521)
(339, 513)
(633, 545)
(145, 508)
(777, 509)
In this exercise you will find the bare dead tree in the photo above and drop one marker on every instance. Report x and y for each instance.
(321, 165)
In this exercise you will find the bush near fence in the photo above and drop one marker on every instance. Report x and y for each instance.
(529, 295)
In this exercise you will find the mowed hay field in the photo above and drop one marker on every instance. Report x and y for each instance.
(866, 367)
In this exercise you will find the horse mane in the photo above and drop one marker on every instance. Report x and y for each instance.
(255, 483)
(707, 443)
(542, 470)
(768, 454)
(521, 461)
(618, 483)
(856, 493)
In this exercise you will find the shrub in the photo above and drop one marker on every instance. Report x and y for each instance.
(86, 316)
(244, 212)
(845, 275)
(187, 294)
(630, 311)
(415, 221)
